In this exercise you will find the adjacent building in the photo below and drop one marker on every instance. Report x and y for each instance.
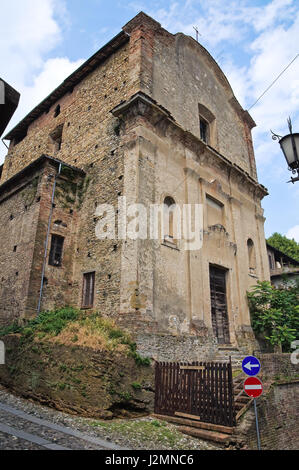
(284, 270)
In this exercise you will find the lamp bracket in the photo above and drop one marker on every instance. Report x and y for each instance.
(275, 136)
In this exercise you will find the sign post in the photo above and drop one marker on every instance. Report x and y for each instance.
(257, 426)
(253, 387)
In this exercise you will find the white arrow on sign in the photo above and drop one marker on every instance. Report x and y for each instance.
(249, 366)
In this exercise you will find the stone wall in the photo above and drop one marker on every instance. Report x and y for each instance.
(278, 415)
(180, 75)
(277, 407)
(19, 211)
(90, 140)
(278, 366)
(25, 213)
(87, 125)
(89, 382)
(172, 284)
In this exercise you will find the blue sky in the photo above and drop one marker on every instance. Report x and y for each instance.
(43, 41)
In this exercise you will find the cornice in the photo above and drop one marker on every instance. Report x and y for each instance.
(144, 105)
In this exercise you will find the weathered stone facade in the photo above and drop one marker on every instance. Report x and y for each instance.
(130, 118)
(26, 205)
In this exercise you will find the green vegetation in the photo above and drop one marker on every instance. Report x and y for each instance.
(125, 396)
(275, 313)
(82, 189)
(57, 323)
(50, 323)
(157, 434)
(136, 386)
(31, 192)
(285, 245)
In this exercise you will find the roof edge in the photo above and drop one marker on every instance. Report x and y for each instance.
(123, 107)
(281, 253)
(76, 77)
(35, 164)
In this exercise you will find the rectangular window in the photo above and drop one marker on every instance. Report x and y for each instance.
(55, 257)
(215, 211)
(204, 128)
(88, 290)
(271, 264)
(56, 137)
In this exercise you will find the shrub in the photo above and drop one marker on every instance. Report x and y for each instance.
(274, 313)
(136, 386)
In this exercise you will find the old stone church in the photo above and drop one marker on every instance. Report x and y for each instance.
(151, 117)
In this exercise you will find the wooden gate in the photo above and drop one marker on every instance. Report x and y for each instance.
(201, 389)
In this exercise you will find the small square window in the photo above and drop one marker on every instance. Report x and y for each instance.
(88, 290)
(56, 137)
(55, 257)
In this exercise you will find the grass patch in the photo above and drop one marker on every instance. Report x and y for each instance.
(154, 433)
(69, 325)
(47, 323)
(136, 386)
(236, 372)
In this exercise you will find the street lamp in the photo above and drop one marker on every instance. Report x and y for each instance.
(290, 146)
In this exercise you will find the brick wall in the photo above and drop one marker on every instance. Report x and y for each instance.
(90, 140)
(277, 407)
(278, 415)
(19, 213)
(278, 366)
(25, 208)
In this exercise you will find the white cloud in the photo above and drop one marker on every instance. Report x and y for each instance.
(53, 73)
(29, 32)
(25, 45)
(293, 233)
(281, 9)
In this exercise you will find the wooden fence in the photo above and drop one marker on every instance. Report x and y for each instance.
(200, 389)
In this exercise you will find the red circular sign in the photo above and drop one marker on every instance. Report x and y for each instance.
(253, 387)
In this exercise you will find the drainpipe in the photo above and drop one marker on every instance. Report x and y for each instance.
(46, 242)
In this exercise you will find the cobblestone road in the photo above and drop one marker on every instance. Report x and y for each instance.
(20, 430)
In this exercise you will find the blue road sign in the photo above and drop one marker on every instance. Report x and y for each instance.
(251, 365)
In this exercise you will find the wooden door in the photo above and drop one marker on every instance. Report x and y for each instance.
(219, 304)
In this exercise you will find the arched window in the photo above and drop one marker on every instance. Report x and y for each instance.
(251, 255)
(169, 209)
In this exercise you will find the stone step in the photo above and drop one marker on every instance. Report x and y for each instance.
(243, 399)
(236, 359)
(219, 438)
(239, 406)
(196, 424)
(244, 408)
(237, 380)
